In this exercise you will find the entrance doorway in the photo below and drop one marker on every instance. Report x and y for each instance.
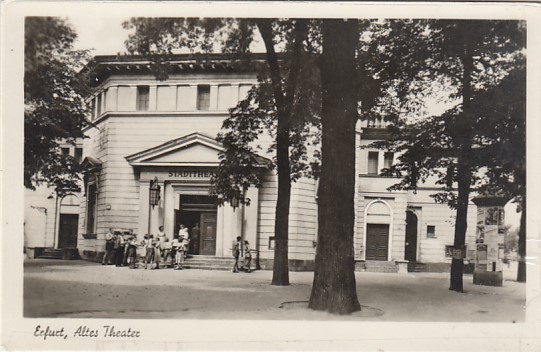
(377, 241)
(198, 213)
(67, 231)
(410, 252)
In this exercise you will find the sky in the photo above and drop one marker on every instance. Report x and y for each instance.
(106, 36)
(103, 34)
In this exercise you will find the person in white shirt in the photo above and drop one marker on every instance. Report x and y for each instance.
(183, 232)
(184, 240)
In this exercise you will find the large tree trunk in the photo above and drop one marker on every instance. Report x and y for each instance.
(334, 287)
(464, 172)
(521, 272)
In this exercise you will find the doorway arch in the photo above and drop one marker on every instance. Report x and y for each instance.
(378, 230)
(68, 221)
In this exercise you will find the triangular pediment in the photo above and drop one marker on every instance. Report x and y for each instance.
(192, 150)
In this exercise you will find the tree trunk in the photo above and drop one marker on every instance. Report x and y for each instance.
(521, 272)
(334, 288)
(464, 172)
(461, 225)
(280, 269)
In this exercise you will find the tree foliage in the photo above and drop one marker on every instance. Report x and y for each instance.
(430, 147)
(472, 58)
(55, 109)
(278, 104)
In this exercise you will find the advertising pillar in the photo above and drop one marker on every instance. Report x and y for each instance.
(489, 240)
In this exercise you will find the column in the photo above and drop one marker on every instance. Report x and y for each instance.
(381, 161)
(220, 233)
(191, 102)
(169, 211)
(152, 98)
(231, 229)
(234, 94)
(213, 97)
(143, 209)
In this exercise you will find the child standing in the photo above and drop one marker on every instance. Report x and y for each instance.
(181, 252)
(166, 251)
(157, 254)
(149, 250)
(132, 252)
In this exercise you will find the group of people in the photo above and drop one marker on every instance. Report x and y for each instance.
(158, 249)
(242, 255)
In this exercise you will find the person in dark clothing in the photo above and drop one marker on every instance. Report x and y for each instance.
(237, 248)
(132, 252)
(109, 248)
(119, 250)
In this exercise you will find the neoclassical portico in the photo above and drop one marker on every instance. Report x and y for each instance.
(183, 168)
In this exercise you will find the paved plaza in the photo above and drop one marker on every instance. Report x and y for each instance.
(82, 289)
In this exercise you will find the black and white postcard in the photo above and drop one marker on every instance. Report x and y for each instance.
(270, 176)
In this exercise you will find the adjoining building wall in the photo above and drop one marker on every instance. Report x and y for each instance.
(46, 212)
(39, 217)
(435, 222)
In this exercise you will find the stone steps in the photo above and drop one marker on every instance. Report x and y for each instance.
(51, 253)
(415, 267)
(209, 263)
(376, 266)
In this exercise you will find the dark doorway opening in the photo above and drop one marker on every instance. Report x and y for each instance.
(411, 237)
(67, 231)
(198, 213)
(377, 241)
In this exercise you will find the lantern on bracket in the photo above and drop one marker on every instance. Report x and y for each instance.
(154, 192)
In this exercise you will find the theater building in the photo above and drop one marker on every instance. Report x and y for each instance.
(148, 133)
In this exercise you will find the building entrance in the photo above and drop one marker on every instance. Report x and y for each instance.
(410, 252)
(67, 231)
(198, 213)
(377, 241)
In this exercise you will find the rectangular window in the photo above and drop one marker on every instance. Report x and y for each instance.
(431, 231)
(388, 160)
(271, 242)
(203, 98)
(373, 163)
(91, 196)
(143, 93)
(65, 151)
(78, 154)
